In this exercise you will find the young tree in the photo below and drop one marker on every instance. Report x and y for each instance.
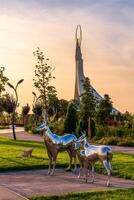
(8, 104)
(87, 107)
(25, 111)
(43, 76)
(16, 104)
(63, 107)
(104, 109)
(71, 118)
(3, 80)
(53, 107)
(37, 110)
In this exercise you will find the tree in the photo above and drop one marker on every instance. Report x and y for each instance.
(37, 110)
(71, 118)
(25, 111)
(3, 80)
(16, 104)
(87, 107)
(104, 109)
(1, 106)
(7, 103)
(43, 76)
(63, 107)
(53, 105)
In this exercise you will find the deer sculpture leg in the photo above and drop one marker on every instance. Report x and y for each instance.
(70, 163)
(49, 169)
(89, 166)
(73, 155)
(108, 168)
(75, 164)
(49, 163)
(55, 153)
(86, 172)
(80, 171)
(92, 173)
(53, 170)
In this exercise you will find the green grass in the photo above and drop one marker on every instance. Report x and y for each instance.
(118, 194)
(11, 150)
(122, 164)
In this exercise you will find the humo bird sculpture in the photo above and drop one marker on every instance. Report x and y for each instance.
(91, 154)
(55, 143)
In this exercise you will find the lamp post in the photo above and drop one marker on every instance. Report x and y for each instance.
(16, 104)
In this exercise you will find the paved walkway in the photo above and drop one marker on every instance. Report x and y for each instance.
(7, 194)
(29, 183)
(9, 130)
(22, 135)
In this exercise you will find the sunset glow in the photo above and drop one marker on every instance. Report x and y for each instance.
(107, 45)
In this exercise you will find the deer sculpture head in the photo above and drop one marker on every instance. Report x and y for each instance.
(80, 140)
(42, 127)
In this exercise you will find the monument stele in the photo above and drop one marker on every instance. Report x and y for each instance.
(79, 74)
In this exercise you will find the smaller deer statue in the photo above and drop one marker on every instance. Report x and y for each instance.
(91, 154)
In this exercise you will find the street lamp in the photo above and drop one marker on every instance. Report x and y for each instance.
(16, 104)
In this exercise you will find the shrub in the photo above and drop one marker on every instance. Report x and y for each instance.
(127, 141)
(57, 127)
(120, 141)
(109, 140)
(101, 131)
(4, 127)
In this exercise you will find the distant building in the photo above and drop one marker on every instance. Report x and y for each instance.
(79, 74)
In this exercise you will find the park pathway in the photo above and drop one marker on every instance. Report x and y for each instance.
(17, 185)
(22, 135)
(7, 194)
(36, 182)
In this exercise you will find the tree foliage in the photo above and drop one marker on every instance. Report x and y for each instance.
(88, 104)
(87, 108)
(71, 118)
(63, 107)
(104, 109)
(37, 109)
(25, 110)
(43, 76)
(8, 103)
(3, 80)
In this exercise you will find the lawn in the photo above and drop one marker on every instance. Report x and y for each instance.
(122, 164)
(118, 194)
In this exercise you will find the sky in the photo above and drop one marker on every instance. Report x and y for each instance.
(107, 45)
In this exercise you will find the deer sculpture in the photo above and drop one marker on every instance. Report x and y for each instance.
(55, 143)
(91, 154)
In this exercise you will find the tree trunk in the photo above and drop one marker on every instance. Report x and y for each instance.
(89, 129)
(25, 120)
(13, 126)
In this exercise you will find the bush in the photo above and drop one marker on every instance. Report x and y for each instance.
(108, 131)
(4, 127)
(31, 128)
(101, 132)
(124, 141)
(109, 140)
(57, 127)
